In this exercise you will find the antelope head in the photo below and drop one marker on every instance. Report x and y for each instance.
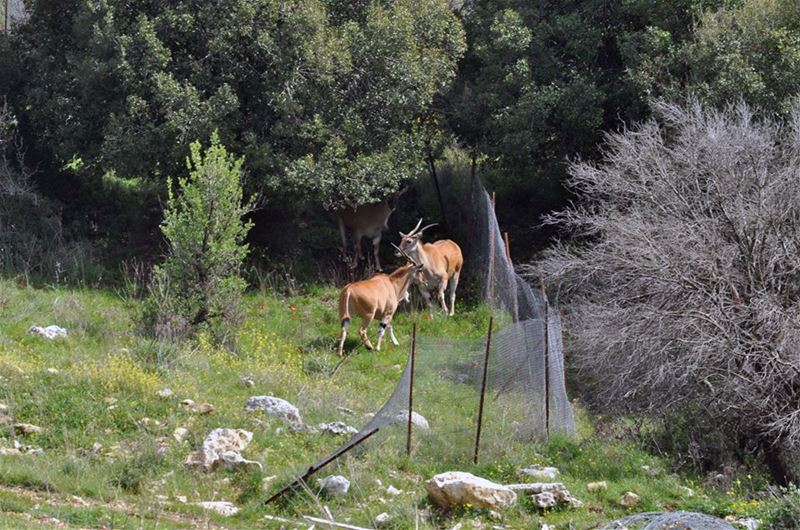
(410, 240)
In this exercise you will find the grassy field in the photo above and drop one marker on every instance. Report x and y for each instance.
(110, 459)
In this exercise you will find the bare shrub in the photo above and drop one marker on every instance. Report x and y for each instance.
(683, 276)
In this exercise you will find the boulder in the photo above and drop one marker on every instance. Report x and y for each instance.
(275, 406)
(629, 499)
(334, 485)
(337, 428)
(416, 419)
(541, 473)
(222, 447)
(49, 332)
(547, 494)
(457, 488)
(221, 507)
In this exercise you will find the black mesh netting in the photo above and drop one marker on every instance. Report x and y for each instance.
(669, 521)
(525, 396)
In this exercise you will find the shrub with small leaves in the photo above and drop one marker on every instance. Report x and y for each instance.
(200, 283)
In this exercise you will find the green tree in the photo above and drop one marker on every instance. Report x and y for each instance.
(199, 281)
(321, 96)
(749, 50)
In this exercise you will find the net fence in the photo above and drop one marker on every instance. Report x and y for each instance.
(669, 521)
(525, 396)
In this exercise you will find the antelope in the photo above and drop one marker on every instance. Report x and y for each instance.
(367, 220)
(440, 264)
(377, 297)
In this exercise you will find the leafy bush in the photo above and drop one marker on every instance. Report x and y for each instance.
(784, 512)
(199, 283)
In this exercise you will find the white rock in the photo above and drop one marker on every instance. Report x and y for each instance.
(416, 419)
(382, 519)
(345, 411)
(182, 499)
(52, 371)
(459, 488)
(334, 485)
(218, 449)
(233, 460)
(275, 406)
(394, 492)
(50, 332)
(180, 434)
(542, 473)
(199, 408)
(165, 393)
(337, 428)
(248, 381)
(594, 486)
(221, 507)
(629, 499)
(544, 500)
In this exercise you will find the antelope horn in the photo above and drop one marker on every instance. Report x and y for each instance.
(415, 228)
(409, 258)
(430, 225)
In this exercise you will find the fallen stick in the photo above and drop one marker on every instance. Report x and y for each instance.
(316, 520)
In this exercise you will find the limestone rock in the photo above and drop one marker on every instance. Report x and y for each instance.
(594, 486)
(222, 447)
(459, 488)
(334, 485)
(547, 494)
(544, 500)
(382, 519)
(248, 381)
(416, 419)
(198, 408)
(221, 507)
(165, 393)
(180, 434)
(49, 332)
(629, 499)
(26, 429)
(275, 406)
(541, 473)
(337, 428)
(394, 492)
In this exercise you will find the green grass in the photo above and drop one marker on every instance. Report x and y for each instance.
(105, 381)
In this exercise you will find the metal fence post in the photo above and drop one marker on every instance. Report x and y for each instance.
(483, 392)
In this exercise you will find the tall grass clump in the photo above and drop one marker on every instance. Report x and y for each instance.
(199, 284)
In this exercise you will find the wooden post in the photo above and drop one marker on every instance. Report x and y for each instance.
(411, 387)
(546, 358)
(508, 247)
(483, 392)
(494, 201)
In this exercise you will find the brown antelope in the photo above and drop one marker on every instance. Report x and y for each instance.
(440, 264)
(377, 297)
(367, 220)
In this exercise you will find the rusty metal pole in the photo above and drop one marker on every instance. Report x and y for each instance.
(546, 358)
(411, 387)
(483, 391)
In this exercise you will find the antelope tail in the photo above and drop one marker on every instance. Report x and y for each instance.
(344, 307)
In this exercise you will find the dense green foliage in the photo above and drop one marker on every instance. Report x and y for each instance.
(320, 96)
(200, 281)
